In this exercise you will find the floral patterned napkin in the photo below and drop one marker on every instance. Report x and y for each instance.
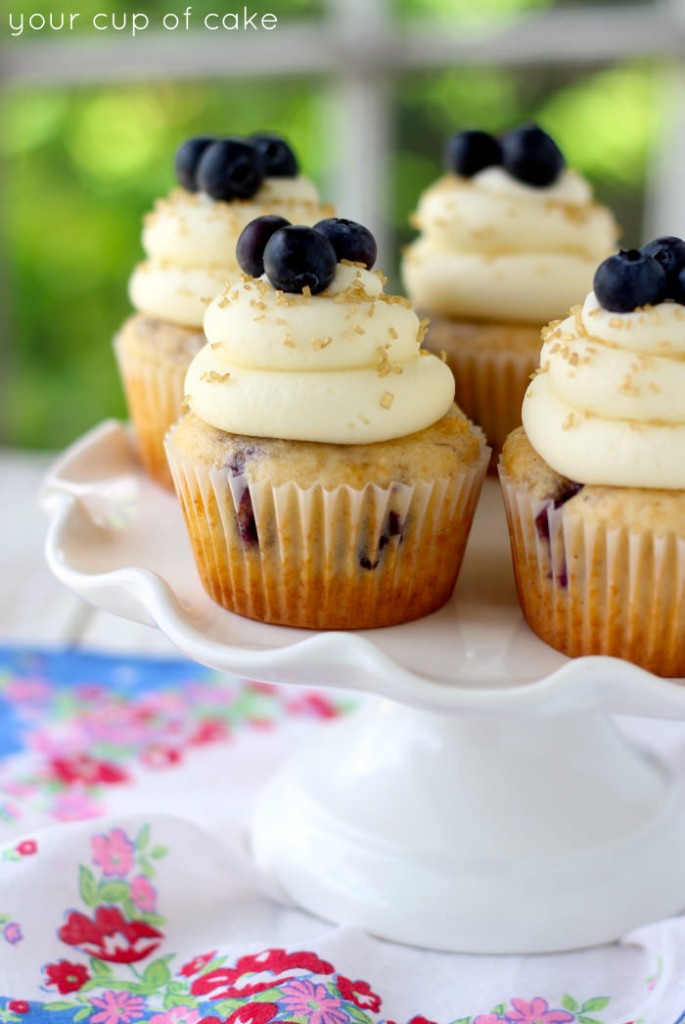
(126, 895)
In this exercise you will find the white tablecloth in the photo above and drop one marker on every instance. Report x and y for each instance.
(126, 895)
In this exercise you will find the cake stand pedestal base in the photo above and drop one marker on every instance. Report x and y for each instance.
(503, 835)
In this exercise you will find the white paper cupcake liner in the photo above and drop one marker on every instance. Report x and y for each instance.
(588, 589)
(490, 387)
(154, 395)
(347, 558)
(490, 382)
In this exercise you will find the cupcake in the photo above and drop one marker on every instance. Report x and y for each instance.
(509, 239)
(326, 478)
(190, 241)
(594, 480)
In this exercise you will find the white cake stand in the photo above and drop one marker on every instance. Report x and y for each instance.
(481, 801)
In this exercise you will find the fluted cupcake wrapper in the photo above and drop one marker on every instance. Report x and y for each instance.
(154, 394)
(345, 558)
(586, 588)
(490, 381)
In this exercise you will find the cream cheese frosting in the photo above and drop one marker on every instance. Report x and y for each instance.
(494, 248)
(190, 241)
(343, 367)
(606, 406)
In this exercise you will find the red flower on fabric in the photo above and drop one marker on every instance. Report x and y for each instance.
(160, 756)
(274, 965)
(209, 731)
(18, 1006)
(315, 704)
(27, 847)
(110, 936)
(249, 1013)
(253, 1013)
(86, 769)
(359, 993)
(66, 976)
(421, 1020)
(196, 964)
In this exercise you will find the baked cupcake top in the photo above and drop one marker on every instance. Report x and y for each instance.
(190, 236)
(606, 406)
(312, 348)
(509, 233)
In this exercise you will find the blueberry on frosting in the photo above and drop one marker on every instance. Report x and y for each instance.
(187, 159)
(532, 156)
(669, 251)
(677, 287)
(298, 257)
(233, 168)
(469, 152)
(295, 257)
(527, 153)
(628, 280)
(230, 169)
(252, 242)
(351, 241)
(279, 159)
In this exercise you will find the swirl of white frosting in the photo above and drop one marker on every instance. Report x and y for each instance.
(342, 367)
(607, 406)
(190, 241)
(495, 248)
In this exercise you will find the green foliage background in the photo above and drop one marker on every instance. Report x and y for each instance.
(82, 165)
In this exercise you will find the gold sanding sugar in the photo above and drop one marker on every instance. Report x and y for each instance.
(215, 378)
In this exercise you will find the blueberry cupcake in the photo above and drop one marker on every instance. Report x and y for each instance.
(594, 480)
(190, 239)
(509, 239)
(326, 478)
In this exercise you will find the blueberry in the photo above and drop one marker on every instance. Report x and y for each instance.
(252, 242)
(350, 240)
(297, 257)
(568, 491)
(277, 156)
(230, 169)
(628, 280)
(245, 520)
(542, 518)
(677, 289)
(669, 251)
(393, 527)
(242, 454)
(469, 152)
(187, 159)
(531, 156)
